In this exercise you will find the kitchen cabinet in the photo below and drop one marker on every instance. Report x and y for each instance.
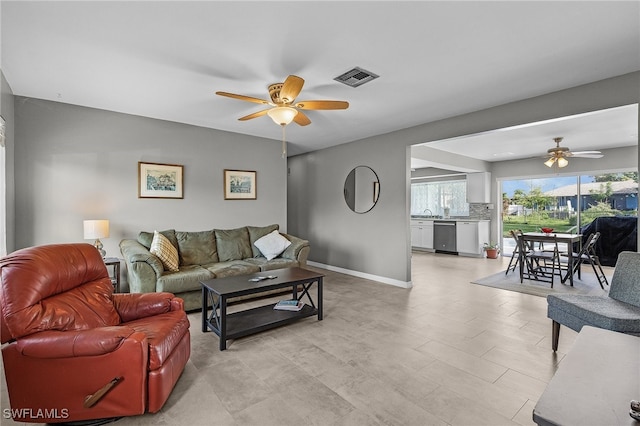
(471, 236)
(479, 187)
(422, 234)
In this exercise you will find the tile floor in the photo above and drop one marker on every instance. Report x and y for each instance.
(443, 352)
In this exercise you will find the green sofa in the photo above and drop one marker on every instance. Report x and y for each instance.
(204, 255)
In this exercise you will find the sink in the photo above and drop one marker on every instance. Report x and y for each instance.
(424, 216)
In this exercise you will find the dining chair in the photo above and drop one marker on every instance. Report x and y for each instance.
(588, 255)
(540, 265)
(515, 256)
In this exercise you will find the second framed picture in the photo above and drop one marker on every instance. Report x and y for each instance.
(240, 185)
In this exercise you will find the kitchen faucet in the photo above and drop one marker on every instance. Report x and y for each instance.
(427, 210)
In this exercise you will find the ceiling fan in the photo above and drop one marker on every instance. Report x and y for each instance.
(559, 154)
(283, 108)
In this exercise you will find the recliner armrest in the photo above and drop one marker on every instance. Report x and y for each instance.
(132, 306)
(76, 343)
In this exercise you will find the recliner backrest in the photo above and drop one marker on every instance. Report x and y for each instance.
(54, 287)
(625, 283)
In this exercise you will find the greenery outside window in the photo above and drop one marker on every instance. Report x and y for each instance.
(566, 204)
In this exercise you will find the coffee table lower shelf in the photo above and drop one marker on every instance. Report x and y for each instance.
(255, 320)
(216, 293)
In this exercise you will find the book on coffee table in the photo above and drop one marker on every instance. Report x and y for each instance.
(289, 305)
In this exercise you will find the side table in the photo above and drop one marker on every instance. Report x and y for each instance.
(115, 279)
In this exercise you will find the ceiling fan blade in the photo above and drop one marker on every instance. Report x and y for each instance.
(291, 88)
(322, 105)
(587, 154)
(254, 115)
(301, 119)
(243, 98)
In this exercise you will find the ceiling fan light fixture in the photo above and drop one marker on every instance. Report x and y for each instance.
(550, 161)
(282, 115)
(562, 162)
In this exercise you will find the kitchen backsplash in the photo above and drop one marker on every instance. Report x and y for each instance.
(479, 211)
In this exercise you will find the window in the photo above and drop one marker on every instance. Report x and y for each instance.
(567, 203)
(432, 197)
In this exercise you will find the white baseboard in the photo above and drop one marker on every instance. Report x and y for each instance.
(384, 280)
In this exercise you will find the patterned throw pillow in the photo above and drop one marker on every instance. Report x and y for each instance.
(166, 252)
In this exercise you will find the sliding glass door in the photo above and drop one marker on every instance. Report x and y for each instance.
(565, 204)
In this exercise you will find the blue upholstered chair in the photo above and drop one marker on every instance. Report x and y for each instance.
(620, 311)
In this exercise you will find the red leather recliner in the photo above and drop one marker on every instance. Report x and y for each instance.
(71, 339)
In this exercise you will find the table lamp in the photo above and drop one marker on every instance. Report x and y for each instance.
(96, 229)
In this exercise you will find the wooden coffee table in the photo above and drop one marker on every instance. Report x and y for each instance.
(216, 292)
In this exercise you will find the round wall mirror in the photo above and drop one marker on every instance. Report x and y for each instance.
(361, 189)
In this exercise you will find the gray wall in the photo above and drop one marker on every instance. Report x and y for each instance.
(7, 112)
(377, 243)
(373, 243)
(74, 163)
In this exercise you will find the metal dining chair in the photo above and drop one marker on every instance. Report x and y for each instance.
(540, 265)
(515, 256)
(588, 255)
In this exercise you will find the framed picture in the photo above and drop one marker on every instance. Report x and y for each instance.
(239, 185)
(159, 180)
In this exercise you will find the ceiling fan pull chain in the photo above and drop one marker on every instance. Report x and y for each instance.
(284, 143)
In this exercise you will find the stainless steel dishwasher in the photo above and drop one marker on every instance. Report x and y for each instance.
(444, 236)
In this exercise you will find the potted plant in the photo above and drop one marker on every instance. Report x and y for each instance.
(492, 250)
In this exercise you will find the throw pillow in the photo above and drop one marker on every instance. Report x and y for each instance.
(166, 252)
(257, 232)
(272, 244)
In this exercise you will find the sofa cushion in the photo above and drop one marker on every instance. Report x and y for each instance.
(232, 268)
(257, 232)
(233, 244)
(187, 279)
(277, 263)
(145, 238)
(166, 252)
(197, 248)
(272, 244)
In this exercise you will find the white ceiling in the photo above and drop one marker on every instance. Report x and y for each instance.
(166, 59)
(606, 129)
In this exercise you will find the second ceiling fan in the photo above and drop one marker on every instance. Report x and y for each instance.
(559, 154)
(284, 109)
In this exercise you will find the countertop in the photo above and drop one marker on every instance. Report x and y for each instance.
(453, 219)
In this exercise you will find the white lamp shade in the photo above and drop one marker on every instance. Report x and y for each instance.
(94, 229)
(282, 115)
(562, 162)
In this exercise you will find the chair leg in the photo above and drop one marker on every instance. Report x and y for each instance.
(555, 335)
(599, 274)
(513, 257)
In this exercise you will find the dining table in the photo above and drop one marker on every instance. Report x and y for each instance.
(569, 239)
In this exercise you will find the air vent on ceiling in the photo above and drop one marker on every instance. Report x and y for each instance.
(356, 77)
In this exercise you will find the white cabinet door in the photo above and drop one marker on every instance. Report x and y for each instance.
(467, 238)
(422, 234)
(479, 187)
(416, 236)
(427, 235)
(471, 236)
